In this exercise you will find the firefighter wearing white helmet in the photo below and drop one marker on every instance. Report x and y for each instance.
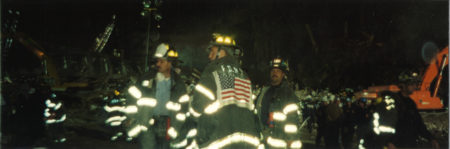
(164, 51)
(278, 111)
(161, 104)
(222, 102)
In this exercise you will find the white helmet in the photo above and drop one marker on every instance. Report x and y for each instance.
(165, 51)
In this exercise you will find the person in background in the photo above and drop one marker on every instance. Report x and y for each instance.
(333, 114)
(321, 121)
(278, 111)
(348, 123)
(410, 125)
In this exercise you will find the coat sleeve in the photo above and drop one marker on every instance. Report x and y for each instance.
(180, 123)
(204, 94)
(292, 124)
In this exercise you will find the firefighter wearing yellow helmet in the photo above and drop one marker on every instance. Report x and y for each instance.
(224, 44)
(222, 103)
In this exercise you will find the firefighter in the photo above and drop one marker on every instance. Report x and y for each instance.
(278, 111)
(222, 103)
(410, 124)
(54, 117)
(161, 102)
(115, 116)
(383, 119)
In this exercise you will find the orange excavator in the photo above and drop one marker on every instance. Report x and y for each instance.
(423, 97)
(426, 96)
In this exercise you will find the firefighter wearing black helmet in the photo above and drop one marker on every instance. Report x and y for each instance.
(383, 121)
(410, 126)
(277, 109)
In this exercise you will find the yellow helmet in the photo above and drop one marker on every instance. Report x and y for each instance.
(227, 43)
(223, 40)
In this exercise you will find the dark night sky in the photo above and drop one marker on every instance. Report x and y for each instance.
(262, 27)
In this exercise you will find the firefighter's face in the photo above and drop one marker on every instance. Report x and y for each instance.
(212, 53)
(276, 76)
(163, 65)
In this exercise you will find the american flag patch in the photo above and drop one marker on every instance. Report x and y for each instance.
(233, 88)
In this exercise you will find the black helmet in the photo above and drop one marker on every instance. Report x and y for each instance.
(409, 77)
(279, 63)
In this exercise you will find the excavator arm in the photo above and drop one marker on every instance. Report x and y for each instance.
(423, 97)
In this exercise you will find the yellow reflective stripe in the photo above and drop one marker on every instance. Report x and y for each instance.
(360, 145)
(151, 102)
(279, 143)
(172, 132)
(181, 116)
(173, 106)
(57, 106)
(193, 145)
(234, 138)
(47, 112)
(130, 109)
(194, 113)
(377, 128)
(290, 128)
(145, 83)
(135, 92)
(49, 103)
(278, 116)
(261, 146)
(296, 144)
(111, 109)
(205, 91)
(386, 129)
(290, 108)
(184, 98)
(213, 107)
(179, 144)
(151, 121)
(116, 123)
(115, 118)
(136, 130)
(192, 133)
